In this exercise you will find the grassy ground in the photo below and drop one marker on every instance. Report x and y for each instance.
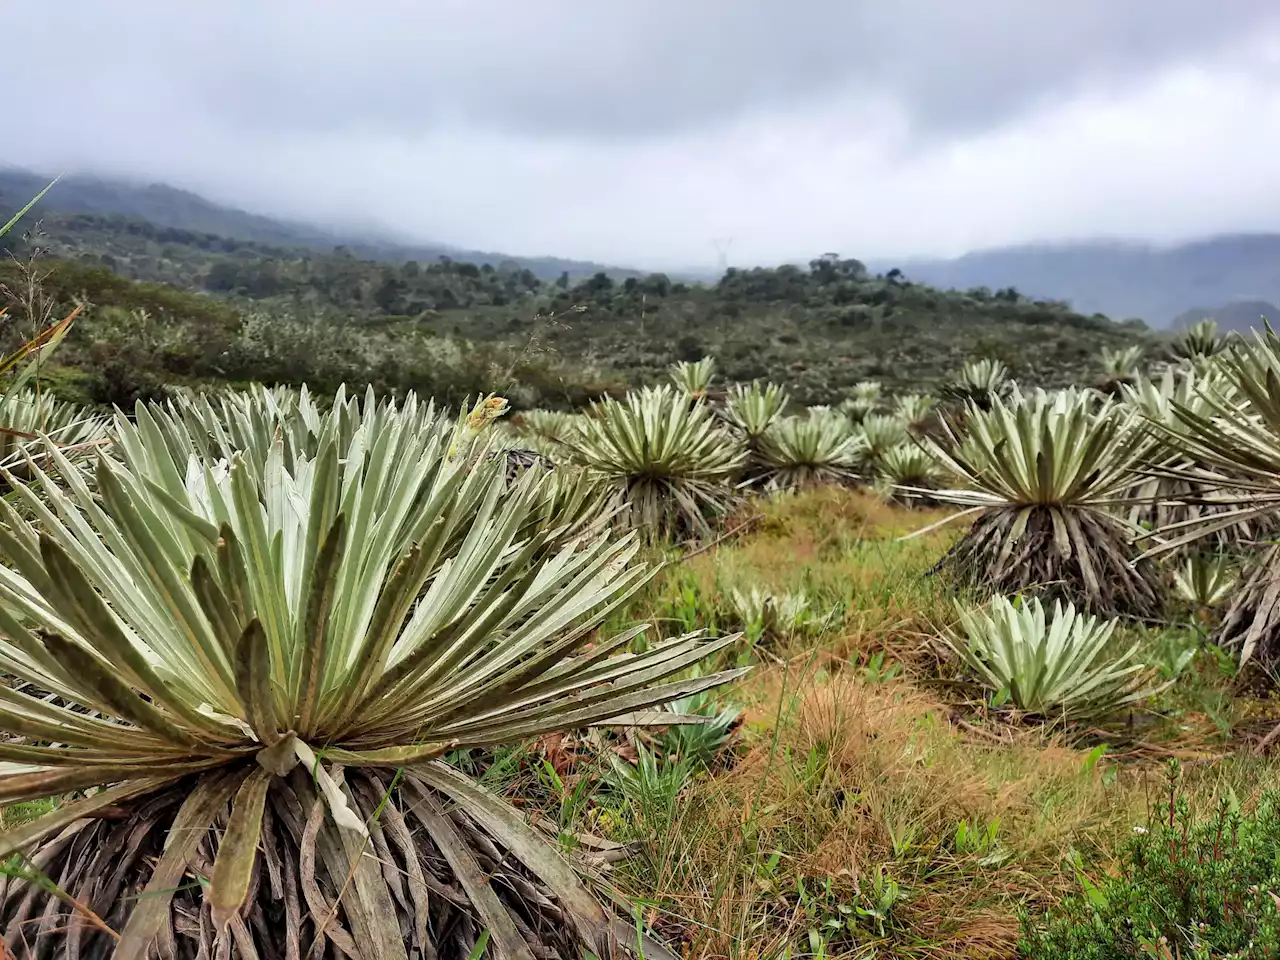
(870, 803)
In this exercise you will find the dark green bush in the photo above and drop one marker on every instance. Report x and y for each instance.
(1187, 888)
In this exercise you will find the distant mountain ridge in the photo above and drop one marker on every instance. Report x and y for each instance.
(1241, 316)
(1120, 279)
(167, 206)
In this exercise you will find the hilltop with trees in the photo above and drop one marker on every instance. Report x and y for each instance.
(171, 303)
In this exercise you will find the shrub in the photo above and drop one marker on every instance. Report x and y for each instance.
(1186, 887)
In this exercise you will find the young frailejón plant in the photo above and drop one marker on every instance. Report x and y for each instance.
(28, 415)
(751, 408)
(978, 382)
(867, 391)
(666, 464)
(854, 409)
(799, 452)
(1198, 341)
(1229, 439)
(878, 433)
(865, 397)
(1051, 666)
(906, 473)
(1042, 473)
(1205, 580)
(1169, 497)
(762, 613)
(248, 422)
(1119, 368)
(262, 658)
(546, 429)
(694, 379)
(916, 410)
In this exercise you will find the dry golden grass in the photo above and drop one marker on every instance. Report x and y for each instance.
(846, 778)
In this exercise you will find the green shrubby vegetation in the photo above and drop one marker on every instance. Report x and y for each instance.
(1193, 883)
(235, 310)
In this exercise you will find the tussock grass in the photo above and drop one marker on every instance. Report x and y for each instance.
(847, 780)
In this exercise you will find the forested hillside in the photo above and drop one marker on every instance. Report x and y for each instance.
(168, 207)
(1238, 316)
(170, 304)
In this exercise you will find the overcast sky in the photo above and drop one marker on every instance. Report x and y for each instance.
(635, 131)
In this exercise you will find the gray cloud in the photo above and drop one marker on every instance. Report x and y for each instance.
(634, 130)
(585, 68)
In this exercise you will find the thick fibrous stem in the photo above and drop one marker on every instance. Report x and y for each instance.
(1081, 555)
(1251, 627)
(315, 892)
